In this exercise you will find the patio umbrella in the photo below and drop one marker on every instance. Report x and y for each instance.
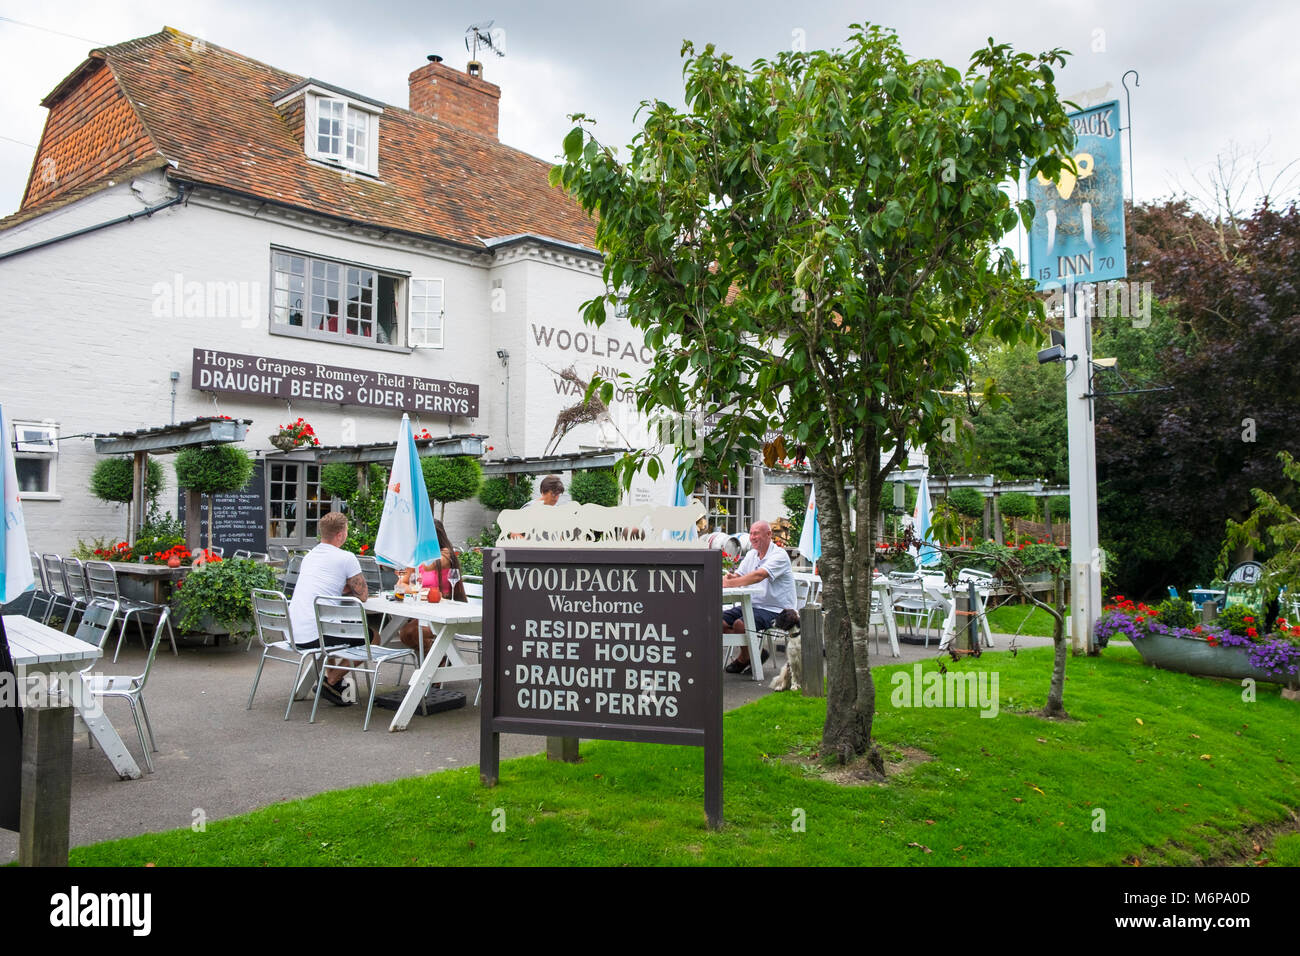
(680, 500)
(407, 537)
(926, 556)
(15, 578)
(810, 537)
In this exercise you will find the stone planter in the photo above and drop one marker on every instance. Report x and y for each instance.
(1191, 656)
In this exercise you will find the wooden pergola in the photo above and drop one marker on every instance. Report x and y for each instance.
(165, 440)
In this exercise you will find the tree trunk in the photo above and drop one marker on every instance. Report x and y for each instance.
(212, 511)
(846, 566)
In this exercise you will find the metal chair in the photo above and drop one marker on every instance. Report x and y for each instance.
(131, 689)
(97, 622)
(261, 556)
(58, 587)
(370, 571)
(274, 630)
(278, 553)
(291, 573)
(74, 576)
(42, 600)
(912, 602)
(345, 617)
(220, 552)
(241, 553)
(101, 578)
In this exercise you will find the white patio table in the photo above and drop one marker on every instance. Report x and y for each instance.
(441, 616)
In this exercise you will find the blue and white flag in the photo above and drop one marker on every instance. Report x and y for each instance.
(407, 537)
(810, 537)
(15, 558)
(926, 556)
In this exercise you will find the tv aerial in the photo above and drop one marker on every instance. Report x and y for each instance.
(480, 35)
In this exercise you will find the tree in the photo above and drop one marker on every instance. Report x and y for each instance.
(213, 470)
(597, 486)
(795, 499)
(451, 478)
(813, 247)
(339, 480)
(1173, 466)
(114, 480)
(501, 492)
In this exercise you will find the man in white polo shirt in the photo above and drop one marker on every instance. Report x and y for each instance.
(327, 571)
(767, 566)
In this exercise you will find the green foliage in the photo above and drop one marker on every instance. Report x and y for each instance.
(1000, 559)
(454, 478)
(1060, 505)
(159, 533)
(86, 552)
(471, 562)
(113, 479)
(1016, 504)
(1273, 529)
(887, 498)
(597, 486)
(795, 499)
(1177, 612)
(213, 469)
(1233, 618)
(967, 501)
(339, 480)
(1019, 429)
(222, 590)
(487, 538)
(365, 508)
(499, 493)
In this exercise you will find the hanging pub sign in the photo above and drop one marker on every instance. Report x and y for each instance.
(1077, 234)
(293, 380)
(605, 644)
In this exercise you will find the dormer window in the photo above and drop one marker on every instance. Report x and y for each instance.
(341, 130)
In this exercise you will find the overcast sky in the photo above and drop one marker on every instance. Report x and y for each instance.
(1213, 75)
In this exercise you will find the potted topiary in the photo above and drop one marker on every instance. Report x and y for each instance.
(114, 480)
(213, 470)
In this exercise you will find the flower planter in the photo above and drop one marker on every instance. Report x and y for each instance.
(1189, 656)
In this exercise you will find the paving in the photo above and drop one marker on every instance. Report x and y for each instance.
(219, 759)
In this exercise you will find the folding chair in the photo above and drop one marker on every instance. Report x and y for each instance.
(101, 578)
(345, 617)
(271, 616)
(131, 688)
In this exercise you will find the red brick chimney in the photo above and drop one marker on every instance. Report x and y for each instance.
(458, 99)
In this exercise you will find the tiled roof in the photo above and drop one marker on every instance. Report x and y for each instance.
(210, 112)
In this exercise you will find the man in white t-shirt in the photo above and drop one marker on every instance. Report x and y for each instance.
(768, 567)
(327, 571)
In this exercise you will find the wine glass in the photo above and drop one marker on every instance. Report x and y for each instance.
(453, 578)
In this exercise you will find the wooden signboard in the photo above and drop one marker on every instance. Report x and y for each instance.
(620, 644)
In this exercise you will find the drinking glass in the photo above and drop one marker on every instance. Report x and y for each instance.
(453, 578)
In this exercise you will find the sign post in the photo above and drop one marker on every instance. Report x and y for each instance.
(1076, 241)
(611, 644)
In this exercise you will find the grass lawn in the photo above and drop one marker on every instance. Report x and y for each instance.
(1180, 768)
(1022, 619)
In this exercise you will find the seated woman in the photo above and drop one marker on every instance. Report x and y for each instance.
(432, 574)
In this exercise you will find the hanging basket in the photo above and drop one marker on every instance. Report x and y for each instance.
(283, 442)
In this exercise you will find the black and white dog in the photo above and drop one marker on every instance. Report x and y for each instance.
(792, 673)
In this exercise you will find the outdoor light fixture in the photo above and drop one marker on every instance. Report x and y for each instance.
(1054, 354)
(503, 355)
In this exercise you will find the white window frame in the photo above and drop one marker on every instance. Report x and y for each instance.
(420, 332)
(44, 449)
(286, 301)
(354, 115)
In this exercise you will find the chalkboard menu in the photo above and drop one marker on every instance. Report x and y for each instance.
(241, 515)
(614, 644)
